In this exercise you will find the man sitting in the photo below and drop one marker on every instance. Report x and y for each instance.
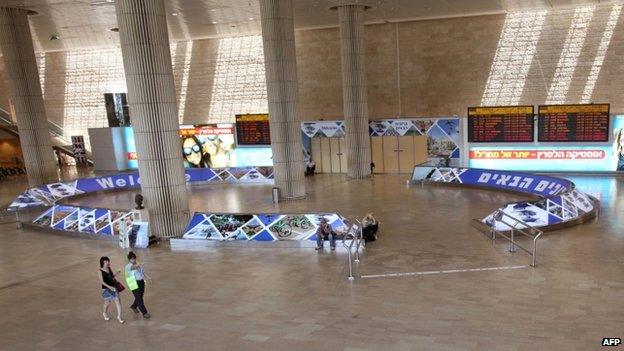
(324, 232)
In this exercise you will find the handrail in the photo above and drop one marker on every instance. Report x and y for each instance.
(355, 234)
(528, 231)
(54, 128)
(12, 216)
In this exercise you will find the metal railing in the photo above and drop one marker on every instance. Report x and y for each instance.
(513, 223)
(354, 233)
(9, 217)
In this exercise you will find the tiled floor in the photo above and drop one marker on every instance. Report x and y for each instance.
(296, 299)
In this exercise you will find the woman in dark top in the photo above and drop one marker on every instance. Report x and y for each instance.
(109, 292)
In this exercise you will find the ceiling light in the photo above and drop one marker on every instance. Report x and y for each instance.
(214, 22)
(174, 14)
(213, 10)
(251, 18)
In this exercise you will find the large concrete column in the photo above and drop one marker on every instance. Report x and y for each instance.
(278, 38)
(152, 100)
(22, 77)
(354, 95)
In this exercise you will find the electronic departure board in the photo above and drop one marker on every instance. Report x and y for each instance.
(253, 130)
(573, 122)
(500, 124)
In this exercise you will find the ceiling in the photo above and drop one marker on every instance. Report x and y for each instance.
(87, 23)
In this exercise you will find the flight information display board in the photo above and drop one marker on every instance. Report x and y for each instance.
(573, 123)
(253, 129)
(504, 124)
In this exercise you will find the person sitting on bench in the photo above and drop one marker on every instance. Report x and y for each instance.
(324, 232)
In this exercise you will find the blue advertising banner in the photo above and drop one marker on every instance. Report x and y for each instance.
(559, 202)
(260, 227)
(48, 194)
(541, 185)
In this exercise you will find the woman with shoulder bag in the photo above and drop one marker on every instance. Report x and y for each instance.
(110, 288)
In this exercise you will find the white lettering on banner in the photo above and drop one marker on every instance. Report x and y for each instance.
(526, 182)
(503, 180)
(541, 186)
(108, 182)
(515, 181)
(557, 188)
(510, 181)
(105, 183)
(187, 177)
(484, 178)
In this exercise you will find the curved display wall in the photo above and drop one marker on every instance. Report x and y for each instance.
(87, 220)
(48, 194)
(558, 199)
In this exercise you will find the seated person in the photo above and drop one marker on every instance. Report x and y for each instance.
(370, 226)
(310, 167)
(324, 232)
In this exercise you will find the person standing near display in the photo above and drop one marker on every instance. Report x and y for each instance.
(110, 287)
(135, 278)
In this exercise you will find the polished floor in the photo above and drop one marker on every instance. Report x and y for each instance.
(233, 298)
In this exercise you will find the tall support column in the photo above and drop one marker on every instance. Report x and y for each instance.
(22, 77)
(278, 38)
(354, 94)
(152, 99)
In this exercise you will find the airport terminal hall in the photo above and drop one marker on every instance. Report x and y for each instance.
(349, 175)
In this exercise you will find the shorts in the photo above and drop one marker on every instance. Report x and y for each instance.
(109, 295)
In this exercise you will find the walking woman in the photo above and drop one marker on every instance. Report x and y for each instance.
(109, 288)
(135, 276)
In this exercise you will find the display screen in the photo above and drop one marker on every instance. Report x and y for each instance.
(117, 110)
(500, 124)
(253, 129)
(207, 145)
(573, 122)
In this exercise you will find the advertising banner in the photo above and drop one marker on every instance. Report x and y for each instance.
(260, 227)
(541, 185)
(559, 200)
(207, 146)
(543, 158)
(48, 194)
(87, 220)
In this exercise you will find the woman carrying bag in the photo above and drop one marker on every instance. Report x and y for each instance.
(110, 288)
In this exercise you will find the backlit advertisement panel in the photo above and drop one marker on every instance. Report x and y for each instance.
(206, 146)
(543, 158)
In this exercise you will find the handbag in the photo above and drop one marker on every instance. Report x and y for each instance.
(119, 287)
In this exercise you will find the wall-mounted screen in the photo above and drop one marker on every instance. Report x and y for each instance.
(253, 130)
(117, 110)
(503, 124)
(573, 123)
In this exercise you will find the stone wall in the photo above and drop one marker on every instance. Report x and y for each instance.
(419, 68)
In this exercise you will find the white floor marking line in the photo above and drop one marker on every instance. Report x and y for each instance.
(441, 272)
